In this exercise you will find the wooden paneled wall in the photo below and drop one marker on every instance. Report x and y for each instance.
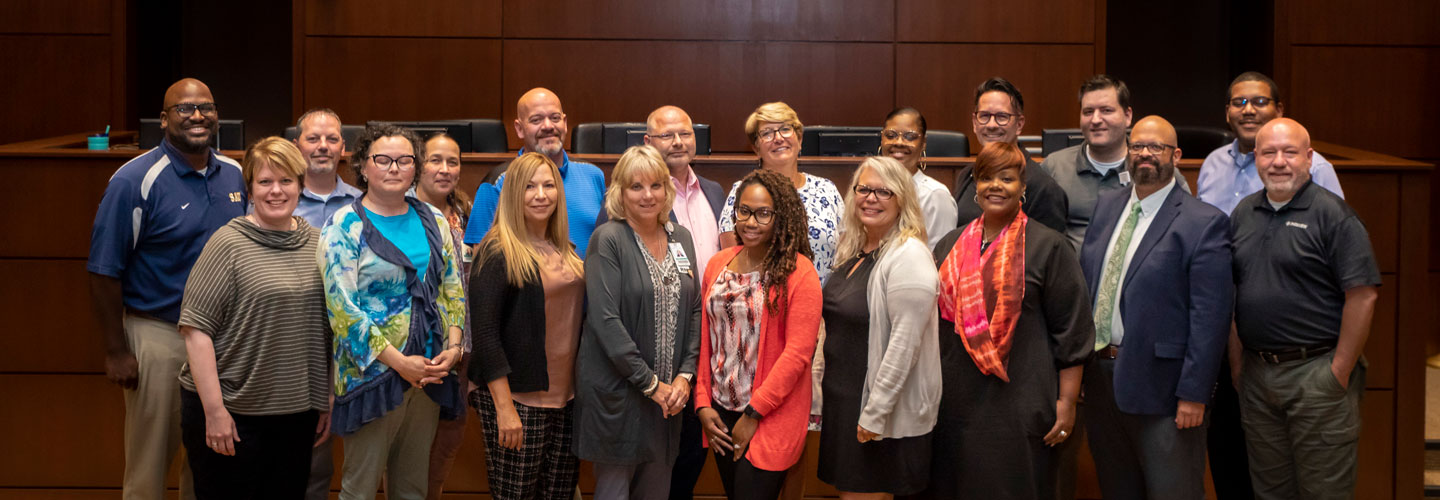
(64, 66)
(837, 62)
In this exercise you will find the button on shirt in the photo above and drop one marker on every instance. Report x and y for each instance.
(1148, 208)
(692, 210)
(155, 218)
(317, 209)
(1292, 266)
(584, 199)
(1227, 177)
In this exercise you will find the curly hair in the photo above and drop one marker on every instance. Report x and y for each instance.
(378, 131)
(791, 233)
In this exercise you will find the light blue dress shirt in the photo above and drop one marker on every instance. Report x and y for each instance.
(1227, 177)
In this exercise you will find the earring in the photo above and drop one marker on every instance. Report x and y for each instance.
(977, 198)
(1022, 198)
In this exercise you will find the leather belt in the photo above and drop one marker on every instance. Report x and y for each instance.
(1109, 352)
(1277, 357)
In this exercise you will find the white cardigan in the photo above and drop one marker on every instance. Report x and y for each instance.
(902, 382)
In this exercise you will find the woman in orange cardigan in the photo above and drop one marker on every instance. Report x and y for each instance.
(761, 313)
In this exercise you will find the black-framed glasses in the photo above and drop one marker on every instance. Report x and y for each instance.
(187, 109)
(405, 162)
(762, 216)
(670, 136)
(891, 134)
(1259, 102)
(880, 193)
(1153, 149)
(1001, 119)
(785, 132)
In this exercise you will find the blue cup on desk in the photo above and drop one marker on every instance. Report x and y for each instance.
(99, 142)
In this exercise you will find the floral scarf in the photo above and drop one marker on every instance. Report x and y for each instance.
(971, 278)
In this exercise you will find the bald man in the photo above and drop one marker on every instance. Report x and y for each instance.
(157, 213)
(1158, 264)
(540, 125)
(1306, 283)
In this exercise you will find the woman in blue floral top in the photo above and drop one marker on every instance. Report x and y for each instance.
(394, 298)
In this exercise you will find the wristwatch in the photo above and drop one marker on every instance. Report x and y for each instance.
(689, 378)
(752, 413)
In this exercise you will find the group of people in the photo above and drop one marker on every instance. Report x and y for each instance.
(253, 310)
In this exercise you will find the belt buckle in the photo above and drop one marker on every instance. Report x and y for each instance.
(1270, 357)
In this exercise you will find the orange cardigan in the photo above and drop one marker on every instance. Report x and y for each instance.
(781, 389)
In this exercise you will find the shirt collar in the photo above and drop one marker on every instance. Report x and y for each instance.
(182, 166)
(342, 188)
(1300, 201)
(564, 165)
(689, 187)
(1151, 204)
(1238, 159)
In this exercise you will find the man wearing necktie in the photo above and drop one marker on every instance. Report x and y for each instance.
(1158, 265)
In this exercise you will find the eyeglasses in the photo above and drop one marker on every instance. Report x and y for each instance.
(785, 132)
(762, 216)
(1258, 102)
(667, 137)
(405, 162)
(880, 193)
(188, 109)
(892, 134)
(1001, 119)
(1154, 149)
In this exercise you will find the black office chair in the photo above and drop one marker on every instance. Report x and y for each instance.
(1198, 141)
(614, 137)
(946, 143)
(834, 140)
(487, 135)
(347, 132)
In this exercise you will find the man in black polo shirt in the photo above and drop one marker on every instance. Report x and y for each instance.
(1306, 283)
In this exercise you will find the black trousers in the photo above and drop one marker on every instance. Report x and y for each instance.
(742, 480)
(691, 460)
(271, 461)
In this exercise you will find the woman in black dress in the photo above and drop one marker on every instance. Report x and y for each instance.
(883, 366)
(1015, 331)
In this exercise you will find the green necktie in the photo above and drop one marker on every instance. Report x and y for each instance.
(1110, 280)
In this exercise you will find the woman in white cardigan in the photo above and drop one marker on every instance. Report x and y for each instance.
(880, 316)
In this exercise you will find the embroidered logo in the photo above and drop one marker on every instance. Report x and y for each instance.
(185, 206)
(235, 197)
(1292, 223)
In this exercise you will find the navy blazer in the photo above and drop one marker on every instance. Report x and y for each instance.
(1176, 300)
(713, 194)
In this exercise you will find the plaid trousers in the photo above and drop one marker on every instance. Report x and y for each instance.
(545, 466)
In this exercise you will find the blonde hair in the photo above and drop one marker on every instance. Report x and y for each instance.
(279, 154)
(636, 162)
(910, 223)
(508, 235)
(772, 112)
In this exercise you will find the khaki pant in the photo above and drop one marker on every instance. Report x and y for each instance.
(1302, 428)
(152, 410)
(396, 447)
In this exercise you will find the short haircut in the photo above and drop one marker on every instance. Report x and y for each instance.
(279, 154)
(998, 156)
(300, 123)
(1256, 76)
(638, 161)
(998, 84)
(1102, 82)
(907, 110)
(772, 112)
(374, 133)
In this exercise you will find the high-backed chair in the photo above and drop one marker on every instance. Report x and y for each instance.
(1198, 141)
(614, 137)
(946, 143)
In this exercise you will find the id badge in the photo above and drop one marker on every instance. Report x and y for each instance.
(681, 261)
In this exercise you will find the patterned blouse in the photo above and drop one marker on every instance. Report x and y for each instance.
(823, 205)
(665, 279)
(368, 300)
(735, 306)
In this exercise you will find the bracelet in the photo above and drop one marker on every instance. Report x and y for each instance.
(654, 385)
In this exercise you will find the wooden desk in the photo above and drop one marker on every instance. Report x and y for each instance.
(65, 419)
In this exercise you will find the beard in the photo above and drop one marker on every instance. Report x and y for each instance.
(191, 145)
(1162, 173)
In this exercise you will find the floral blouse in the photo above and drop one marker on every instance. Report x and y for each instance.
(823, 206)
(368, 300)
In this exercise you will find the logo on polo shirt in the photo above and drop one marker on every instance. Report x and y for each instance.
(235, 197)
(1300, 225)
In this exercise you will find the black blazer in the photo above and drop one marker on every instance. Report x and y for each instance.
(507, 328)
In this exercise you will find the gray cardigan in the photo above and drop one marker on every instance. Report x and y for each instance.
(614, 422)
(902, 382)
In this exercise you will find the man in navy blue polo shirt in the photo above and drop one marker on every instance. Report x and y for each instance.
(158, 211)
(1306, 284)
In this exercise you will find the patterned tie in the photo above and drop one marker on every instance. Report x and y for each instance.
(1110, 280)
